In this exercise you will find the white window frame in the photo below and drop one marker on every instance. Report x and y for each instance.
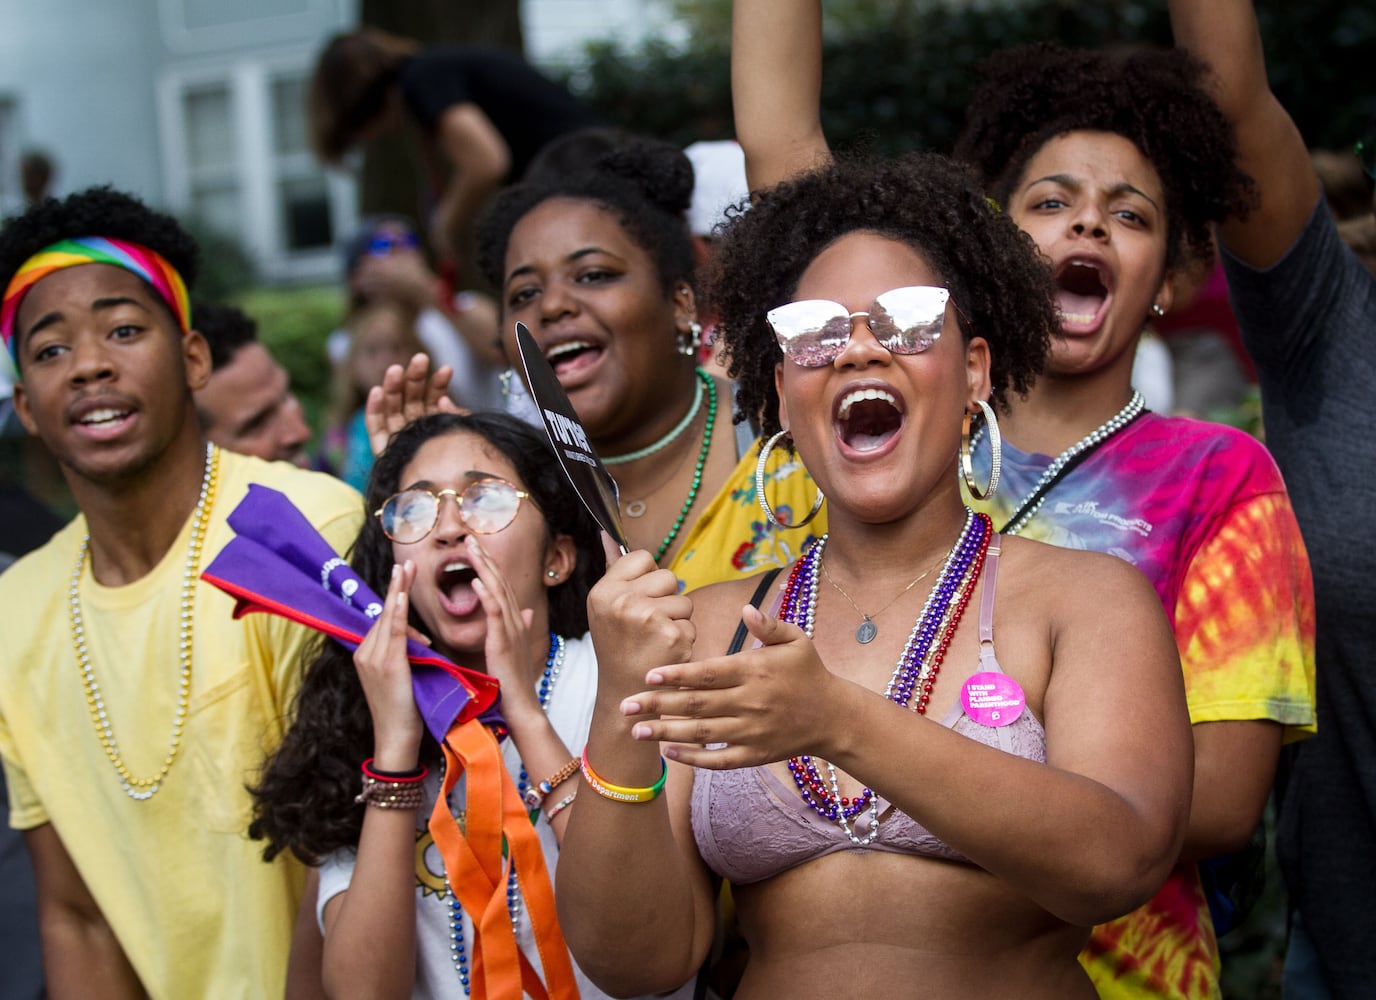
(256, 164)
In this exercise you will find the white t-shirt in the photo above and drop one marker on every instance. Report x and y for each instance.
(570, 713)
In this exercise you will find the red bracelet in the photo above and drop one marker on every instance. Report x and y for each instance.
(416, 774)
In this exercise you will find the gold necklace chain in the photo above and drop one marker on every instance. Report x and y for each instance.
(142, 789)
(867, 629)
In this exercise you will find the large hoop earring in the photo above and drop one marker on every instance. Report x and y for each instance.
(967, 467)
(764, 500)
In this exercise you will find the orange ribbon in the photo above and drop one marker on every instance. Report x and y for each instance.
(478, 869)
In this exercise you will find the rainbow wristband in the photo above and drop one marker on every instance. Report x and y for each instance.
(618, 793)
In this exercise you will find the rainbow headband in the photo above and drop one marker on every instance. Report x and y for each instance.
(146, 263)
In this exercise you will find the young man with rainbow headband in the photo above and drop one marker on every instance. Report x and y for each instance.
(134, 708)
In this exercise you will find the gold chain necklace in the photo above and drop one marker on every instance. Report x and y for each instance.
(142, 789)
(867, 629)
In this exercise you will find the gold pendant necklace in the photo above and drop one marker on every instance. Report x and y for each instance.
(142, 789)
(867, 630)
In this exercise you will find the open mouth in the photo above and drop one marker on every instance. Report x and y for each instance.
(1080, 292)
(572, 355)
(103, 418)
(455, 584)
(868, 418)
(104, 422)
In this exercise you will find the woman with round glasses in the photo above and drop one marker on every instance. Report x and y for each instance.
(599, 266)
(939, 755)
(1116, 165)
(480, 545)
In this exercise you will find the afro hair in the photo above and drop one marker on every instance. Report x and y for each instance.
(925, 201)
(1154, 98)
(97, 211)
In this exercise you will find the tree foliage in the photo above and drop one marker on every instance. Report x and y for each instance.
(898, 74)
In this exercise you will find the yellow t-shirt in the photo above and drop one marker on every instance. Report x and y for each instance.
(197, 911)
(731, 537)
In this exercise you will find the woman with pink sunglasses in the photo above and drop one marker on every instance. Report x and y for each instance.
(926, 756)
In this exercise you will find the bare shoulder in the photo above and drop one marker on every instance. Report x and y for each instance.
(717, 610)
(1066, 584)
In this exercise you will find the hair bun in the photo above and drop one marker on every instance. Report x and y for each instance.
(661, 170)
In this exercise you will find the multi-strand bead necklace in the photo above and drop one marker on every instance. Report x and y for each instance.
(913, 677)
(458, 946)
(142, 789)
(636, 508)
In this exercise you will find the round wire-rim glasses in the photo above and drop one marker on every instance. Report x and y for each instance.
(486, 507)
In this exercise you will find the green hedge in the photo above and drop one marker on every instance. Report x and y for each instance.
(293, 322)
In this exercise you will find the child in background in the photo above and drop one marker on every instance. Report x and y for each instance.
(381, 333)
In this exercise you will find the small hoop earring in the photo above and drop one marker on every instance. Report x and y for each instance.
(689, 342)
(967, 468)
(1157, 310)
(763, 500)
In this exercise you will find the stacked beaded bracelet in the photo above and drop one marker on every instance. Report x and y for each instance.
(392, 789)
(535, 795)
(619, 793)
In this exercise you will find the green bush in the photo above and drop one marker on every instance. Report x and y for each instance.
(293, 322)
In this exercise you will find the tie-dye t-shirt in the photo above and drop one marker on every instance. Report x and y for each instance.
(1201, 510)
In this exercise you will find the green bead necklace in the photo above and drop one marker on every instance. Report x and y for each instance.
(697, 470)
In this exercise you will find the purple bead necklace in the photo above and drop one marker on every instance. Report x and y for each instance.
(799, 606)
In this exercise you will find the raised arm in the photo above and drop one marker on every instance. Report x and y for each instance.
(370, 928)
(478, 160)
(79, 947)
(1224, 35)
(635, 900)
(776, 86)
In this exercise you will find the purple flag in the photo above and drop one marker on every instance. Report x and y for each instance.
(280, 564)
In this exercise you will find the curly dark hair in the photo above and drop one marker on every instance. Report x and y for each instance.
(1153, 98)
(97, 211)
(925, 201)
(646, 184)
(304, 801)
(225, 328)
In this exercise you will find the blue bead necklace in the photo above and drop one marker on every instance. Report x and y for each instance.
(458, 948)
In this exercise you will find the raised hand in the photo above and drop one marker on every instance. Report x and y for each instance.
(406, 394)
(509, 648)
(758, 706)
(638, 619)
(385, 673)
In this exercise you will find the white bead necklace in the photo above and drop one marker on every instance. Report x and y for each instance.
(1061, 464)
(142, 789)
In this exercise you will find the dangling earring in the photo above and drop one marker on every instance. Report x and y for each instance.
(505, 380)
(764, 500)
(691, 340)
(1157, 310)
(967, 468)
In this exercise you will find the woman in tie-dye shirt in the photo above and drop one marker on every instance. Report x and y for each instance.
(1116, 167)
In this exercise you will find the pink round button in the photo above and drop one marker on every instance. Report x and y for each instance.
(992, 699)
